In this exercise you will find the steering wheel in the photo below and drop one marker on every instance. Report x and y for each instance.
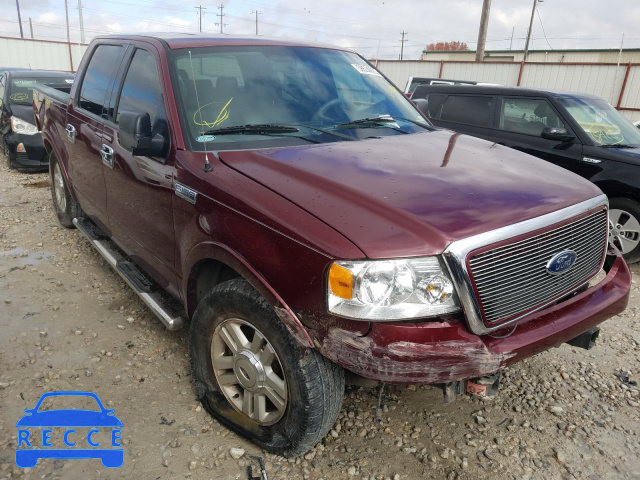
(321, 113)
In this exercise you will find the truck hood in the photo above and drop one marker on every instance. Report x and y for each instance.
(413, 194)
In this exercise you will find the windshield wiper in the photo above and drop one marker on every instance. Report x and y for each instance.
(257, 129)
(620, 145)
(381, 121)
(378, 121)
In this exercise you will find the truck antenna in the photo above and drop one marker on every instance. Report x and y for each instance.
(207, 165)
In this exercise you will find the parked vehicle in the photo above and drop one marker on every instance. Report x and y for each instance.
(414, 82)
(21, 142)
(309, 221)
(576, 131)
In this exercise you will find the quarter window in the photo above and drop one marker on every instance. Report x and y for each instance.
(467, 109)
(528, 116)
(93, 92)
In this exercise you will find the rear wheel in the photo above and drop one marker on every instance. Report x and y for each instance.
(624, 227)
(253, 376)
(65, 206)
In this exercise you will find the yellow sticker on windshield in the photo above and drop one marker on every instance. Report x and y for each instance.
(606, 134)
(19, 97)
(222, 116)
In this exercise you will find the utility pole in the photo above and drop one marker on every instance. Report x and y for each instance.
(66, 11)
(256, 12)
(31, 28)
(81, 21)
(402, 44)
(200, 8)
(526, 46)
(482, 34)
(221, 15)
(19, 19)
(513, 31)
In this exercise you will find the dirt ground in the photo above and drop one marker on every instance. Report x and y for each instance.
(69, 323)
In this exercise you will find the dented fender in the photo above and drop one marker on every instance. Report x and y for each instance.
(225, 255)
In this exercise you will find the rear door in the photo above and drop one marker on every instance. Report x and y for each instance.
(85, 119)
(520, 124)
(139, 188)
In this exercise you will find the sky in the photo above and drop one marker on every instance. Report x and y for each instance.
(373, 28)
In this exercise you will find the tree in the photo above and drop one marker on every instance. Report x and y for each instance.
(448, 46)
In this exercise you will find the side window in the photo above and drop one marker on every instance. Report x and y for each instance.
(467, 109)
(528, 116)
(435, 101)
(141, 90)
(93, 91)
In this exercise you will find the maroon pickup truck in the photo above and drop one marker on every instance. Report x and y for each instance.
(313, 226)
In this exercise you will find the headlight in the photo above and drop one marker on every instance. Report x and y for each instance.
(381, 290)
(20, 126)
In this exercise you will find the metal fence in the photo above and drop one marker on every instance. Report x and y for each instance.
(40, 54)
(618, 84)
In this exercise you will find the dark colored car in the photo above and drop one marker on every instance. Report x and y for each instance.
(309, 221)
(21, 141)
(576, 131)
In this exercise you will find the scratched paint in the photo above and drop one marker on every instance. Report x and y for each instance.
(408, 362)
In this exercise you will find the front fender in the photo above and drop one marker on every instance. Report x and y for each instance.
(225, 255)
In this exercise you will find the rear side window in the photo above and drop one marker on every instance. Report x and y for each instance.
(467, 109)
(95, 84)
(434, 105)
(141, 91)
(528, 116)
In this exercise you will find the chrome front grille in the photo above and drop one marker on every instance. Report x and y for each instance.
(512, 279)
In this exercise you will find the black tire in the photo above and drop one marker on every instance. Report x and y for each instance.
(65, 206)
(624, 227)
(11, 165)
(313, 386)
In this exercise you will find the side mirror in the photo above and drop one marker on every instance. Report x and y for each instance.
(135, 134)
(556, 134)
(423, 105)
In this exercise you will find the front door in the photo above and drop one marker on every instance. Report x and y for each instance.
(139, 188)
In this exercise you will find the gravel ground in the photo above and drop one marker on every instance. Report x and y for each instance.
(70, 323)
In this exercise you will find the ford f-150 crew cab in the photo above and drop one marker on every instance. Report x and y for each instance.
(311, 224)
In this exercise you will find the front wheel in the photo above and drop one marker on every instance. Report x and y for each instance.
(252, 375)
(11, 165)
(624, 227)
(65, 206)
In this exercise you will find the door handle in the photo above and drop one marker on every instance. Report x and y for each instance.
(107, 155)
(71, 133)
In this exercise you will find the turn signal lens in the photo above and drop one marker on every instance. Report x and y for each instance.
(341, 282)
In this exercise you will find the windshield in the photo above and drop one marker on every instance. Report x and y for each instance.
(603, 123)
(21, 89)
(313, 91)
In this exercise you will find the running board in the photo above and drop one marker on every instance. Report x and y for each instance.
(159, 302)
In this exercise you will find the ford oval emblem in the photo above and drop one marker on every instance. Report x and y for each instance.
(562, 262)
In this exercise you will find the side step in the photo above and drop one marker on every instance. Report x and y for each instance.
(159, 302)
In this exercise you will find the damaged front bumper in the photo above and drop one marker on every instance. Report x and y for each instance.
(444, 352)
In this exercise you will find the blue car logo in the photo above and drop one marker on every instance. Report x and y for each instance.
(562, 262)
(69, 433)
